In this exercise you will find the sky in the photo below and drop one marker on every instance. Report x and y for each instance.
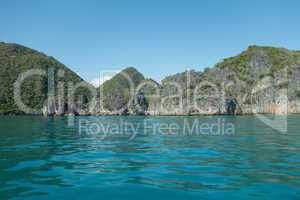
(158, 37)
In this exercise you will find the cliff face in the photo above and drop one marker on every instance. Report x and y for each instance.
(46, 74)
(259, 80)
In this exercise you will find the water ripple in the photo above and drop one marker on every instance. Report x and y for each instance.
(44, 158)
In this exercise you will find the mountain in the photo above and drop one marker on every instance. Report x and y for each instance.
(15, 60)
(258, 80)
(117, 93)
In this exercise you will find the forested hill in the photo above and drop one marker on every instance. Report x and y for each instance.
(16, 59)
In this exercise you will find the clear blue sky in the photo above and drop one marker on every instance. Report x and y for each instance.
(157, 37)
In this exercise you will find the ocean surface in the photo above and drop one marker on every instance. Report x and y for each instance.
(136, 157)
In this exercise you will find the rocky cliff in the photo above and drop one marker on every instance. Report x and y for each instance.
(259, 80)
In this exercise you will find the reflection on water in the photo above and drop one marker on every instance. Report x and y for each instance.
(45, 158)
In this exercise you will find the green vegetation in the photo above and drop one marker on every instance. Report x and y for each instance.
(263, 60)
(118, 90)
(15, 59)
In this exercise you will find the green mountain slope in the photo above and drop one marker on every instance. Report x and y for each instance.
(16, 59)
(118, 91)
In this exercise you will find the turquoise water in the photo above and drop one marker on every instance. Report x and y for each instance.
(53, 158)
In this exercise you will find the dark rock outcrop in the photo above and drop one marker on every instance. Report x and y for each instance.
(231, 105)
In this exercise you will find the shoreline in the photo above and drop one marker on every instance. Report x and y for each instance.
(159, 115)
